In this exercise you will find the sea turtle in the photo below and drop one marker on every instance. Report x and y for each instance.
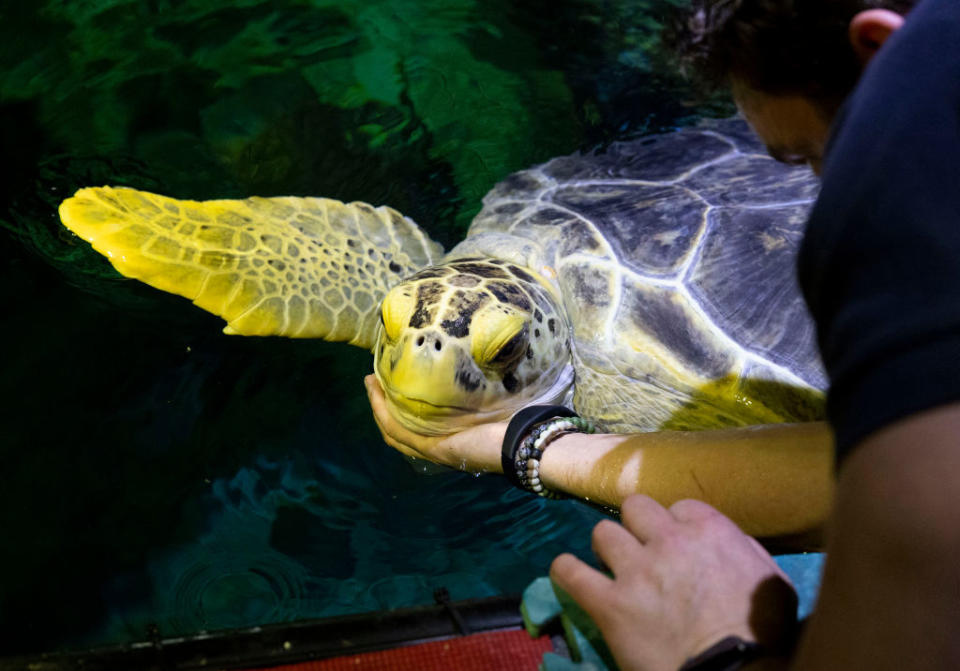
(650, 284)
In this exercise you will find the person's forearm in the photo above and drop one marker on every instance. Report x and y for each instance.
(773, 480)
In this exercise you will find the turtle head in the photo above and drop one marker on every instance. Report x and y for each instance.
(468, 342)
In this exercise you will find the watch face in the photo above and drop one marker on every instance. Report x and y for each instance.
(728, 654)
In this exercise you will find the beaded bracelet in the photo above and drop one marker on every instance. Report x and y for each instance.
(527, 436)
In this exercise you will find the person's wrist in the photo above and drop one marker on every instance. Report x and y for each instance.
(556, 470)
(473, 450)
(768, 663)
(586, 466)
(730, 653)
(490, 446)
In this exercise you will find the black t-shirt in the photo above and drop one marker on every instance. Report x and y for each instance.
(880, 261)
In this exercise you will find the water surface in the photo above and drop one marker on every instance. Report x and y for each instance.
(157, 473)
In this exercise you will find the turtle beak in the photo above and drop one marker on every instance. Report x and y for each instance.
(420, 377)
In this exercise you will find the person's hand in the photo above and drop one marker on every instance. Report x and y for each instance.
(476, 449)
(683, 579)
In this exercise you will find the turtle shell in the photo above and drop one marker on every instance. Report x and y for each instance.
(675, 258)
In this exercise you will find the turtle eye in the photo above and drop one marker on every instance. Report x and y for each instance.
(511, 349)
(395, 313)
(499, 338)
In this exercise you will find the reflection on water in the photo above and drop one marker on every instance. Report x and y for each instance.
(158, 472)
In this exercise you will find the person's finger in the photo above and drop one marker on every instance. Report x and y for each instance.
(691, 510)
(374, 392)
(398, 446)
(373, 387)
(762, 553)
(644, 517)
(588, 587)
(615, 546)
(390, 429)
(392, 442)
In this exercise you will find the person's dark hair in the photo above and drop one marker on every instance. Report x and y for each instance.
(774, 46)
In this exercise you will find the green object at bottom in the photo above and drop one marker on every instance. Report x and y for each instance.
(543, 602)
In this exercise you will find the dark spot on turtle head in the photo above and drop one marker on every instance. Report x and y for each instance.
(466, 376)
(521, 273)
(538, 315)
(456, 328)
(279, 265)
(509, 293)
(351, 242)
(536, 333)
(428, 294)
(510, 382)
(395, 267)
(552, 325)
(459, 315)
(481, 270)
(529, 353)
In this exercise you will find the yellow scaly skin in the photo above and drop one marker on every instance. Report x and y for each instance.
(461, 343)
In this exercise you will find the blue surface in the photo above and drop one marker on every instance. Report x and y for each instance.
(805, 572)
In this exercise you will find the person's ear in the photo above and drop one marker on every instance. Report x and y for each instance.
(870, 29)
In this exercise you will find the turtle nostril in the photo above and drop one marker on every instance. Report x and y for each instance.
(419, 341)
(437, 345)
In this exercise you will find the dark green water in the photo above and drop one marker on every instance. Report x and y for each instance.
(158, 473)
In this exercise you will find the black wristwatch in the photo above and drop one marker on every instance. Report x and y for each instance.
(729, 654)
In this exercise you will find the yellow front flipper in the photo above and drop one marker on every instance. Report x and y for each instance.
(296, 267)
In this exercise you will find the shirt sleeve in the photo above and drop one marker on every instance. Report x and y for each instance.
(880, 261)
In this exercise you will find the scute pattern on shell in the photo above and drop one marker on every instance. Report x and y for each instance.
(675, 256)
